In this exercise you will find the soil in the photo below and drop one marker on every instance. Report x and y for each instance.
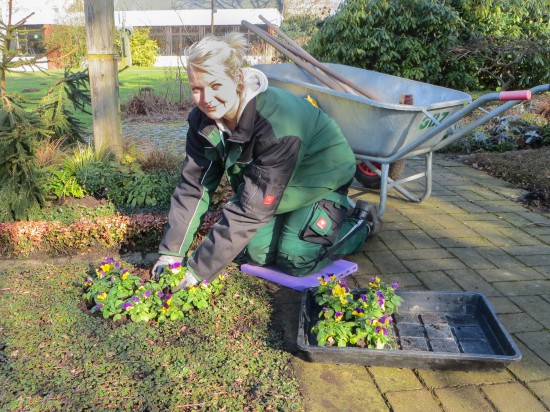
(526, 169)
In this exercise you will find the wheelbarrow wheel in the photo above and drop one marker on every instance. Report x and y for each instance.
(371, 180)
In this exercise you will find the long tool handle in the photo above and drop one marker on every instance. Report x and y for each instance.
(298, 50)
(322, 77)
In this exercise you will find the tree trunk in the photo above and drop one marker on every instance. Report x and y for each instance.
(102, 64)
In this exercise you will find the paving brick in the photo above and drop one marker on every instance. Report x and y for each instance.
(534, 260)
(502, 304)
(527, 250)
(538, 342)
(476, 242)
(438, 280)
(535, 306)
(399, 226)
(542, 391)
(451, 233)
(335, 387)
(395, 240)
(475, 217)
(471, 258)
(470, 281)
(499, 206)
(423, 265)
(364, 264)
(519, 322)
(498, 257)
(520, 237)
(535, 217)
(530, 368)
(413, 254)
(419, 239)
(523, 287)
(512, 274)
(387, 262)
(515, 218)
(407, 281)
(395, 379)
(445, 379)
(412, 401)
(470, 207)
(375, 243)
(467, 399)
(545, 270)
(512, 397)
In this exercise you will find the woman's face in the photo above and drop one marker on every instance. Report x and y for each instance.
(215, 94)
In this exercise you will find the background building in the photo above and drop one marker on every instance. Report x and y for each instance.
(175, 24)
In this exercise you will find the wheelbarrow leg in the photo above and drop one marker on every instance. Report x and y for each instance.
(428, 177)
(384, 177)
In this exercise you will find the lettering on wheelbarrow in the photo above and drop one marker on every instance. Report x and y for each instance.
(427, 122)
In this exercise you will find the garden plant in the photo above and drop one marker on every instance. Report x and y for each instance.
(353, 318)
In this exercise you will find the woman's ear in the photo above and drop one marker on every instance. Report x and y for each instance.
(240, 80)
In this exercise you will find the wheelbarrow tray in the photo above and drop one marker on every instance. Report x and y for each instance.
(378, 128)
(433, 330)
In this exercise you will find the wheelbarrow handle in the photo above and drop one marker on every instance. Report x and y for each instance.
(514, 95)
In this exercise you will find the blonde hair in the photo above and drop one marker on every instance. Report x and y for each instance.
(213, 51)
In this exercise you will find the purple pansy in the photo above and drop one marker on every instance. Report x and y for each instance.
(135, 299)
(175, 265)
(160, 294)
(147, 294)
(381, 329)
(126, 305)
(395, 285)
(381, 298)
(363, 297)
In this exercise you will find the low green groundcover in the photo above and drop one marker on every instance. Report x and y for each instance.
(56, 356)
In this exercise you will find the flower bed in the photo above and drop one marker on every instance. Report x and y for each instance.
(116, 293)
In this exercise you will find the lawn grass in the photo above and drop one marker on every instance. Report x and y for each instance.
(56, 356)
(170, 83)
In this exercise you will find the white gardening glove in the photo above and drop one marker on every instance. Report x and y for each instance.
(189, 280)
(162, 263)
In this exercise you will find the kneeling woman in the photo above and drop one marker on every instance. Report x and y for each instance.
(287, 161)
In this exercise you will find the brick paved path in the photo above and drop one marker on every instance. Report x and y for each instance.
(470, 235)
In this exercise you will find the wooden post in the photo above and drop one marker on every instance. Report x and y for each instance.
(102, 65)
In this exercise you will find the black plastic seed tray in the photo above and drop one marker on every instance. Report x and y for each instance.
(433, 330)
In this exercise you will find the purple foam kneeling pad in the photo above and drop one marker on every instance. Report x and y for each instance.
(340, 268)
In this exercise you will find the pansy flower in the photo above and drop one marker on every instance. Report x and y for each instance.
(135, 299)
(102, 296)
(381, 331)
(338, 316)
(395, 285)
(322, 280)
(381, 299)
(358, 312)
(127, 306)
(88, 281)
(147, 294)
(97, 307)
(160, 294)
(125, 274)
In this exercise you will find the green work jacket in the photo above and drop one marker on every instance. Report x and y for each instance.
(284, 154)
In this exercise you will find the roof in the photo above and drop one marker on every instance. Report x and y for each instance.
(141, 5)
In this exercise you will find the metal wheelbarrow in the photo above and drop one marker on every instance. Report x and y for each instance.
(384, 132)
